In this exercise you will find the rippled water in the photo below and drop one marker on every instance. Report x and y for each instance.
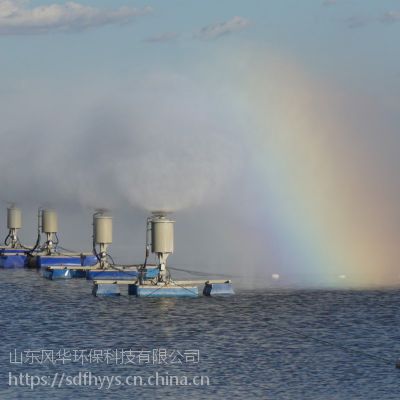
(244, 347)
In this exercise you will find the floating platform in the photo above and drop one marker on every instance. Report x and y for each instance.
(93, 273)
(89, 260)
(105, 289)
(18, 258)
(126, 274)
(163, 291)
(12, 258)
(173, 289)
(10, 250)
(218, 289)
(54, 260)
(13, 261)
(65, 272)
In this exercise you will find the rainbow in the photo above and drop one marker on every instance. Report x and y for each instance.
(314, 181)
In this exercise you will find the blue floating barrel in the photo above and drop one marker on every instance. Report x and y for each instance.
(31, 261)
(89, 260)
(105, 289)
(12, 258)
(12, 251)
(48, 261)
(151, 273)
(218, 289)
(121, 275)
(63, 273)
(163, 291)
(56, 273)
(111, 275)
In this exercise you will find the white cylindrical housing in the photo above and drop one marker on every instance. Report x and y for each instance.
(49, 221)
(14, 218)
(102, 229)
(162, 235)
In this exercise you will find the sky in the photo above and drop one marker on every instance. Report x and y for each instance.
(269, 128)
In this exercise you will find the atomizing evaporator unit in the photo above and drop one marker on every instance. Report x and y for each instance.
(102, 236)
(14, 223)
(49, 225)
(160, 239)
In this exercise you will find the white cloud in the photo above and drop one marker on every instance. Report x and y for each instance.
(391, 16)
(162, 38)
(357, 21)
(217, 30)
(16, 17)
(329, 2)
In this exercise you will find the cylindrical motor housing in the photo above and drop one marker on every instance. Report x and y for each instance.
(49, 221)
(162, 235)
(102, 229)
(14, 218)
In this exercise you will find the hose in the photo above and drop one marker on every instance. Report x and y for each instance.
(5, 240)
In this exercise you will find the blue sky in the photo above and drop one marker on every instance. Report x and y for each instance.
(317, 34)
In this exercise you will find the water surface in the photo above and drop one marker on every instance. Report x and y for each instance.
(243, 344)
